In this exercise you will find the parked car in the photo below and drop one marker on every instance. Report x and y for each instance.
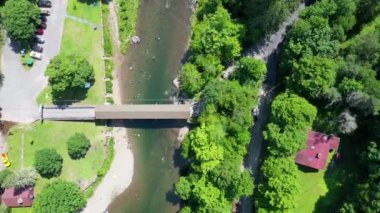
(43, 19)
(39, 31)
(44, 3)
(45, 12)
(36, 55)
(37, 48)
(42, 25)
(39, 40)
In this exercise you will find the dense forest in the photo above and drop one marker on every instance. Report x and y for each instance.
(218, 141)
(330, 66)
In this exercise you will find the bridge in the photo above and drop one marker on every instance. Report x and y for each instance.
(128, 111)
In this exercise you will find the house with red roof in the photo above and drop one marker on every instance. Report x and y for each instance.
(13, 197)
(316, 153)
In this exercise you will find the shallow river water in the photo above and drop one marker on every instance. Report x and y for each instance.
(148, 70)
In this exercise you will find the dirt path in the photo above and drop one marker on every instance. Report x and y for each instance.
(266, 50)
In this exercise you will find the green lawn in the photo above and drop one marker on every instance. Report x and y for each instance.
(52, 134)
(89, 45)
(85, 9)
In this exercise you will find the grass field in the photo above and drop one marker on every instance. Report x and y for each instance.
(89, 45)
(54, 135)
(323, 191)
(85, 9)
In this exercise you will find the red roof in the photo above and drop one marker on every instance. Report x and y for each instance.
(18, 197)
(317, 150)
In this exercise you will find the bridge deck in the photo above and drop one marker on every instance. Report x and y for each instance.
(144, 111)
(138, 111)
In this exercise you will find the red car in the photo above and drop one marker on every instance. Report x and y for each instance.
(39, 31)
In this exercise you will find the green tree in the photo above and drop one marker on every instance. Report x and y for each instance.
(59, 196)
(78, 145)
(191, 80)
(48, 163)
(349, 85)
(292, 110)
(20, 19)
(68, 75)
(209, 65)
(3, 175)
(217, 34)
(20, 179)
(285, 142)
(250, 69)
(207, 154)
(312, 76)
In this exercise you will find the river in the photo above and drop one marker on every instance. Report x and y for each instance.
(148, 70)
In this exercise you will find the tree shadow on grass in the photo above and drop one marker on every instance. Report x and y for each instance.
(69, 96)
(89, 2)
(341, 177)
(307, 169)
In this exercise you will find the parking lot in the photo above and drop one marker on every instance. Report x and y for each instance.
(21, 88)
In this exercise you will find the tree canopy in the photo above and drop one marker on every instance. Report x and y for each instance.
(217, 34)
(78, 145)
(20, 179)
(250, 69)
(48, 163)
(20, 19)
(68, 75)
(59, 196)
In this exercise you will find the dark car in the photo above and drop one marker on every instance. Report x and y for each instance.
(39, 40)
(43, 3)
(39, 31)
(43, 19)
(45, 12)
(42, 25)
(37, 48)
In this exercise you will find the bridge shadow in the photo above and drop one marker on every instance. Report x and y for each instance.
(148, 123)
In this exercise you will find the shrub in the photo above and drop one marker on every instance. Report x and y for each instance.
(107, 163)
(59, 196)
(3, 175)
(20, 179)
(106, 31)
(109, 87)
(109, 69)
(78, 145)
(110, 100)
(48, 163)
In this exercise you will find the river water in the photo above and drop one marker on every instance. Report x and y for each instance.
(148, 70)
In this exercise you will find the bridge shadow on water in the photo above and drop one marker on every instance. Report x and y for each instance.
(147, 123)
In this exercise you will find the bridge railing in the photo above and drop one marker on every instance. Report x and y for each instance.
(128, 101)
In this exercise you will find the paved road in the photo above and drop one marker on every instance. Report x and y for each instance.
(69, 113)
(266, 50)
(21, 88)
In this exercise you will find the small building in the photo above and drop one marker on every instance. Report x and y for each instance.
(18, 197)
(318, 147)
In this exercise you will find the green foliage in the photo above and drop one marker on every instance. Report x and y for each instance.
(209, 65)
(3, 175)
(68, 75)
(279, 190)
(202, 195)
(107, 42)
(284, 142)
(191, 80)
(59, 196)
(109, 86)
(109, 68)
(349, 85)
(217, 34)
(250, 69)
(21, 179)
(127, 15)
(264, 17)
(48, 163)
(20, 19)
(206, 153)
(110, 100)
(290, 109)
(309, 37)
(110, 156)
(312, 76)
(78, 145)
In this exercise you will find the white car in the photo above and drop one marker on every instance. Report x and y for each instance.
(36, 55)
